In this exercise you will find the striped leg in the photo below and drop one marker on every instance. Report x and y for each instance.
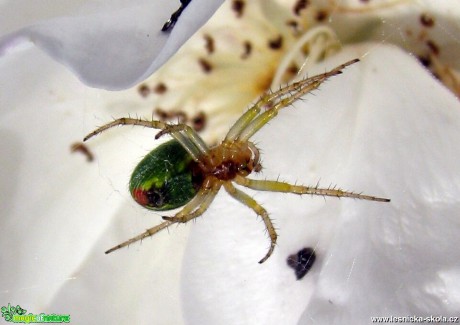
(203, 199)
(257, 208)
(149, 232)
(199, 203)
(285, 97)
(127, 121)
(185, 135)
(275, 186)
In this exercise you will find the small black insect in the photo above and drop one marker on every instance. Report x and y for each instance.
(175, 16)
(302, 261)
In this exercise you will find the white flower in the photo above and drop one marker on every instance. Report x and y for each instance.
(384, 127)
(112, 45)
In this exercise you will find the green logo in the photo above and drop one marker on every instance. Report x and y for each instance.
(18, 315)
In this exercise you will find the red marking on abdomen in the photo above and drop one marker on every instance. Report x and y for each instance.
(140, 196)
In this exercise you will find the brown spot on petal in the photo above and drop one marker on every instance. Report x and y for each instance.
(143, 90)
(171, 116)
(206, 66)
(299, 6)
(247, 49)
(425, 60)
(293, 24)
(426, 20)
(81, 147)
(238, 7)
(199, 121)
(292, 70)
(209, 43)
(162, 114)
(321, 15)
(434, 48)
(276, 44)
(160, 88)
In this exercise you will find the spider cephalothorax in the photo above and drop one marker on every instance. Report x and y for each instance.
(230, 159)
(186, 172)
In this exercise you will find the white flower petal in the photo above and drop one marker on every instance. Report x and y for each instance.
(60, 213)
(384, 129)
(114, 47)
(57, 210)
(416, 26)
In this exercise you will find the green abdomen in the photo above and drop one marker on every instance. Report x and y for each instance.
(164, 180)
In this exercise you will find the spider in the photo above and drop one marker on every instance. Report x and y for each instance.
(186, 172)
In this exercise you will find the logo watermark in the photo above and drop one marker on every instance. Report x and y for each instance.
(16, 314)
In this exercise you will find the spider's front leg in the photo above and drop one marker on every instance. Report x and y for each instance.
(127, 121)
(280, 99)
(184, 134)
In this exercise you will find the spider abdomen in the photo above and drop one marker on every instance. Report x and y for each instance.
(165, 178)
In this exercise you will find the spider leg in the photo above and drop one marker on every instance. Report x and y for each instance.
(200, 202)
(127, 121)
(203, 199)
(275, 186)
(185, 135)
(267, 99)
(298, 88)
(285, 97)
(190, 133)
(149, 232)
(247, 118)
(257, 208)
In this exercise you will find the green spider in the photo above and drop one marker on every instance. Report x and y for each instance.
(186, 172)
